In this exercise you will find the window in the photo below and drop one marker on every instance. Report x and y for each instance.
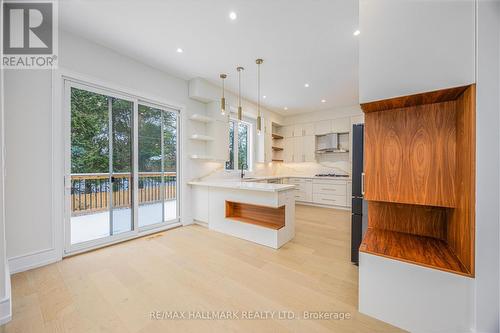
(239, 136)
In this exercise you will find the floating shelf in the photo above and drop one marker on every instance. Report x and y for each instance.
(277, 136)
(201, 137)
(415, 249)
(202, 157)
(276, 160)
(201, 118)
(277, 148)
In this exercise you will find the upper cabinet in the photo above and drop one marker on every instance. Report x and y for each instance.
(323, 127)
(341, 125)
(408, 47)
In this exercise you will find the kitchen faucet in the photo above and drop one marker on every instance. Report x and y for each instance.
(243, 167)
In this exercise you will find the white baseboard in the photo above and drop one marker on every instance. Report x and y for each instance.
(6, 302)
(33, 260)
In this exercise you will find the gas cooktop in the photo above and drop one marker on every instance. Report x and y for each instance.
(330, 175)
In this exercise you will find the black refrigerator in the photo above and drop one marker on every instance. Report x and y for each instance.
(359, 207)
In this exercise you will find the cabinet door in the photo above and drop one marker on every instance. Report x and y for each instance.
(348, 197)
(288, 131)
(298, 130)
(309, 148)
(341, 125)
(268, 141)
(308, 129)
(288, 150)
(323, 127)
(298, 150)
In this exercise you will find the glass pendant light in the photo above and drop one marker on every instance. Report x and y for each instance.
(223, 99)
(240, 109)
(259, 118)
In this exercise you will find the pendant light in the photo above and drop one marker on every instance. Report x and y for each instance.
(240, 109)
(259, 118)
(223, 99)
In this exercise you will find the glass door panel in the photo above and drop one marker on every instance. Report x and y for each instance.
(121, 173)
(170, 165)
(150, 166)
(90, 182)
(101, 182)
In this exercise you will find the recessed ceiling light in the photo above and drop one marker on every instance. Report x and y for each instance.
(233, 16)
(264, 97)
(179, 50)
(356, 33)
(323, 101)
(306, 85)
(285, 108)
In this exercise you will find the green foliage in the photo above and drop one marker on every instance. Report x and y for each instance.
(90, 135)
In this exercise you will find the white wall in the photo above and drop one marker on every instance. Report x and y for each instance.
(436, 38)
(310, 117)
(487, 167)
(34, 148)
(5, 295)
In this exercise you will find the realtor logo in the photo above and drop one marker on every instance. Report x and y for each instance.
(29, 34)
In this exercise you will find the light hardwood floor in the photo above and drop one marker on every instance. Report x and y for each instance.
(115, 289)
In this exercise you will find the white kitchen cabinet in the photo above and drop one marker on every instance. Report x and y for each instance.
(298, 150)
(298, 130)
(348, 196)
(288, 131)
(309, 147)
(303, 189)
(329, 192)
(288, 149)
(307, 129)
(323, 127)
(341, 125)
(434, 50)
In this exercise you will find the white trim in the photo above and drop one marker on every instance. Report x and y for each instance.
(322, 206)
(33, 260)
(68, 80)
(6, 302)
(123, 239)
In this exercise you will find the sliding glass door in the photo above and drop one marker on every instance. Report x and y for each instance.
(117, 186)
(157, 165)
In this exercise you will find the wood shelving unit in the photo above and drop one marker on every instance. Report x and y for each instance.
(277, 136)
(420, 179)
(268, 217)
(277, 148)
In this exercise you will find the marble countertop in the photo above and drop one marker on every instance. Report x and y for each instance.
(244, 185)
(257, 178)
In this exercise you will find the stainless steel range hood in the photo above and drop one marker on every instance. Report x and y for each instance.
(329, 143)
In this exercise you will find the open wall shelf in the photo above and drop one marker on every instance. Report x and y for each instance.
(420, 179)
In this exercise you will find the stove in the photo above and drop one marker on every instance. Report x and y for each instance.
(330, 175)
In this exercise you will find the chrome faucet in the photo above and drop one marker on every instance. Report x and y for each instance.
(243, 167)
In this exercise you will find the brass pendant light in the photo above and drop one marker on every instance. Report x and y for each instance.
(259, 118)
(223, 99)
(240, 109)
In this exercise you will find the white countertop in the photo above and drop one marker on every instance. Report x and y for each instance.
(244, 185)
(257, 178)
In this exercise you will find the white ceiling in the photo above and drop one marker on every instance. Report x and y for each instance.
(300, 41)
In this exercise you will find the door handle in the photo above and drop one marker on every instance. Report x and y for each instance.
(362, 183)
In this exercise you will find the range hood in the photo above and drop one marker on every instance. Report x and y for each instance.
(329, 143)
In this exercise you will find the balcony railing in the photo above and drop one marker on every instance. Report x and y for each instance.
(90, 191)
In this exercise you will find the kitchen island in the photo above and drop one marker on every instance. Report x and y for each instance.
(258, 212)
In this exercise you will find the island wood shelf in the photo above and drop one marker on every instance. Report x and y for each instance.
(420, 250)
(420, 179)
(263, 216)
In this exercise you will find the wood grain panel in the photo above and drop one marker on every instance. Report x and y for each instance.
(412, 219)
(432, 97)
(419, 250)
(268, 217)
(410, 155)
(461, 227)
